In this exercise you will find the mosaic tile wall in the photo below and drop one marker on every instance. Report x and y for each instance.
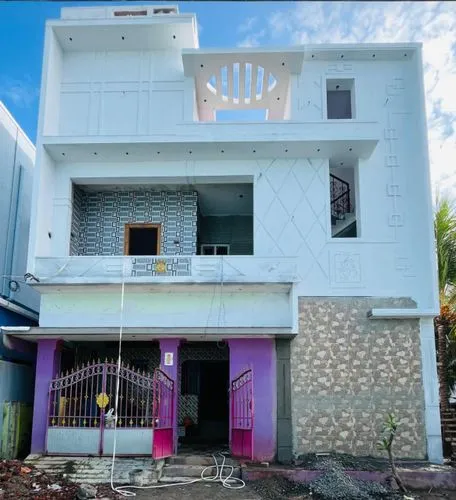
(76, 226)
(157, 266)
(140, 355)
(348, 372)
(99, 219)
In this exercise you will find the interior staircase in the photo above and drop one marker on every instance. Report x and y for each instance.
(343, 218)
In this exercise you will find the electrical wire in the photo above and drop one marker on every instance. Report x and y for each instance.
(227, 482)
(119, 360)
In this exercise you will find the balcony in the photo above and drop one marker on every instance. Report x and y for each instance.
(149, 270)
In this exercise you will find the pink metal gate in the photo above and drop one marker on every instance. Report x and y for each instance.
(81, 415)
(163, 413)
(242, 413)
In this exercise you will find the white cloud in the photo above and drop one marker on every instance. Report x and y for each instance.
(433, 23)
(253, 40)
(248, 24)
(20, 92)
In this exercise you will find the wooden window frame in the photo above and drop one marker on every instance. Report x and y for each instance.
(137, 225)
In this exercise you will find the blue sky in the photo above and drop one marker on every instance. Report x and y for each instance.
(225, 24)
(22, 40)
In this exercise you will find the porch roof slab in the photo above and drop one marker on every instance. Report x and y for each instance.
(341, 139)
(141, 334)
(151, 285)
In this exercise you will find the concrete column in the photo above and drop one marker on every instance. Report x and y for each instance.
(61, 227)
(260, 355)
(171, 346)
(431, 391)
(284, 417)
(47, 367)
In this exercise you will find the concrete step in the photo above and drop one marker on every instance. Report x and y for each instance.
(173, 480)
(93, 470)
(195, 471)
(199, 460)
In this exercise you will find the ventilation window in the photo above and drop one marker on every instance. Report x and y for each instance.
(215, 249)
(241, 83)
(125, 13)
(343, 199)
(340, 99)
(165, 10)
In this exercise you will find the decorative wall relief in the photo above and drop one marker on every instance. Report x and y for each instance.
(339, 67)
(156, 266)
(346, 268)
(404, 267)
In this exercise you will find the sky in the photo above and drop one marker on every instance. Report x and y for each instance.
(251, 24)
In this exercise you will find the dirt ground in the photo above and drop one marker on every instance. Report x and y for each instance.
(198, 491)
(18, 482)
(201, 491)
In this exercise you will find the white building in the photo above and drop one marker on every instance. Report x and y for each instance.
(19, 303)
(281, 198)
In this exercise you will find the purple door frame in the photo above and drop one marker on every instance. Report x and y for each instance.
(172, 346)
(47, 367)
(260, 356)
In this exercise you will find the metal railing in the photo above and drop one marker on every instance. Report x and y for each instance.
(340, 197)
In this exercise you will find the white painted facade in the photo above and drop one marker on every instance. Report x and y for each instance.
(16, 183)
(125, 101)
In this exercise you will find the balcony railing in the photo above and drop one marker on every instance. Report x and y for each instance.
(166, 269)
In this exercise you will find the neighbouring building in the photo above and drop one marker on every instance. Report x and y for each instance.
(19, 303)
(256, 225)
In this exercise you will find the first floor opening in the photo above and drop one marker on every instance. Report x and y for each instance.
(142, 239)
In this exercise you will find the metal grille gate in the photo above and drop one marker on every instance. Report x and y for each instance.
(81, 416)
(242, 414)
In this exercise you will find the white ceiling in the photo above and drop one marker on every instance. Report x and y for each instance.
(213, 199)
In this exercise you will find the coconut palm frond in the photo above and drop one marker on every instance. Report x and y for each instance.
(445, 237)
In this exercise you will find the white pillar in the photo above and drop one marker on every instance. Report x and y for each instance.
(431, 391)
(61, 227)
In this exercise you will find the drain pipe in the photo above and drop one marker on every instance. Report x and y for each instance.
(12, 220)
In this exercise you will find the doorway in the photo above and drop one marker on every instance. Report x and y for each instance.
(142, 239)
(204, 396)
(213, 404)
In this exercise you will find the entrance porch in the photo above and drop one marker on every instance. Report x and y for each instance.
(221, 394)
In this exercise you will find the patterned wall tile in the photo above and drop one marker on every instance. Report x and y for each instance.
(99, 219)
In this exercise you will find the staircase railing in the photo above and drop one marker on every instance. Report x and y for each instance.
(340, 197)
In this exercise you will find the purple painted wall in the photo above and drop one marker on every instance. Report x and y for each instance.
(47, 366)
(171, 345)
(260, 355)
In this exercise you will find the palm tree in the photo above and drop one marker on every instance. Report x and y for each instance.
(445, 237)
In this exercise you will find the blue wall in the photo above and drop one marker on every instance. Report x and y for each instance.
(10, 318)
